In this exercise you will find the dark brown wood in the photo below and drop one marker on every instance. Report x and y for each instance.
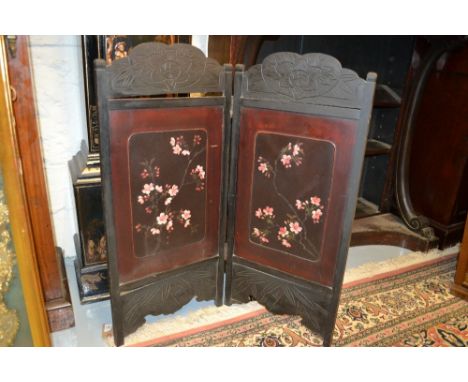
(414, 219)
(282, 294)
(149, 275)
(386, 97)
(375, 147)
(52, 278)
(365, 208)
(312, 102)
(142, 121)
(168, 293)
(460, 285)
(342, 134)
(438, 169)
(388, 229)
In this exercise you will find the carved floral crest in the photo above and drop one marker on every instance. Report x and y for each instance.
(304, 77)
(155, 68)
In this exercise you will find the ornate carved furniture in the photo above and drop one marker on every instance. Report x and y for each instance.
(164, 173)
(434, 154)
(299, 132)
(301, 122)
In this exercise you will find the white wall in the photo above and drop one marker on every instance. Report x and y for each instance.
(58, 78)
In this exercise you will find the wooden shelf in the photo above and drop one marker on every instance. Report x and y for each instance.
(364, 208)
(388, 229)
(375, 147)
(385, 97)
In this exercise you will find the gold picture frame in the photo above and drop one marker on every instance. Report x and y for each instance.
(18, 211)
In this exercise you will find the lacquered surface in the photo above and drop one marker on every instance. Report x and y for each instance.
(290, 192)
(326, 176)
(131, 134)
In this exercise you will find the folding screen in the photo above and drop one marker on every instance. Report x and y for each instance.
(163, 152)
(299, 132)
(295, 157)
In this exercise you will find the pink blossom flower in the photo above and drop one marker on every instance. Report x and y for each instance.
(185, 152)
(172, 141)
(162, 218)
(268, 211)
(295, 227)
(258, 213)
(173, 191)
(156, 171)
(168, 201)
(140, 199)
(315, 200)
(299, 205)
(144, 174)
(138, 227)
(177, 150)
(187, 223)
(148, 210)
(256, 232)
(186, 214)
(286, 160)
(283, 231)
(263, 239)
(169, 226)
(197, 139)
(147, 188)
(316, 215)
(262, 167)
(155, 231)
(296, 150)
(201, 172)
(158, 188)
(286, 243)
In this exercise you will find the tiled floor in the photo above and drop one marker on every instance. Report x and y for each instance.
(90, 318)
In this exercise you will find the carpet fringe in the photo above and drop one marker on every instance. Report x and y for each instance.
(206, 316)
(375, 268)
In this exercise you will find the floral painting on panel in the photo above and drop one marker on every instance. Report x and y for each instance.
(291, 184)
(168, 180)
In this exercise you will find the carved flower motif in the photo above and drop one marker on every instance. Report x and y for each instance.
(304, 76)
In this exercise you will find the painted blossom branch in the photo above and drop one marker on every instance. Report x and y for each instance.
(294, 228)
(152, 194)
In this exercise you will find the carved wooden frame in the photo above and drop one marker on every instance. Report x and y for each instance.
(153, 69)
(412, 219)
(338, 93)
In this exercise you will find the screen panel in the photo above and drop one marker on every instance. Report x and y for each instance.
(293, 174)
(166, 172)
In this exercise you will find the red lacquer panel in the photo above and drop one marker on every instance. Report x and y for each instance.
(166, 171)
(292, 189)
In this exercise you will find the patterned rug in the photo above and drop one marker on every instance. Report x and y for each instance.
(410, 308)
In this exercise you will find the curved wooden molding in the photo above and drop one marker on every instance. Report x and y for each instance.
(413, 220)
